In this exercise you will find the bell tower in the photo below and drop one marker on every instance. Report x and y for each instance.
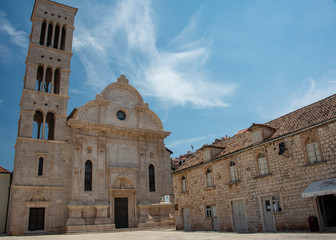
(41, 162)
(46, 81)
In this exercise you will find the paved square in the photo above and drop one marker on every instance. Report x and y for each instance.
(173, 235)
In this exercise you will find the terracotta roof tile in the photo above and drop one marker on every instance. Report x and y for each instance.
(300, 119)
(3, 170)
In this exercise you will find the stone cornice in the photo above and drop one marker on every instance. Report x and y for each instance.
(42, 93)
(111, 128)
(37, 186)
(47, 48)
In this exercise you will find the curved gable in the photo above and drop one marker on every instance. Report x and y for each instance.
(120, 97)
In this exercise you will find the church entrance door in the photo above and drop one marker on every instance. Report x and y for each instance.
(121, 212)
(36, 219)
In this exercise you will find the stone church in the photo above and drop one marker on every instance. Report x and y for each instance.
(104, 166)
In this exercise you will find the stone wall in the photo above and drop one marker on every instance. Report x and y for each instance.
(289, 175)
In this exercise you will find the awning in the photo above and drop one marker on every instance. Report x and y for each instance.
(320, 188)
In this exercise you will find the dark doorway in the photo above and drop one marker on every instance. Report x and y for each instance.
(327, 208)
(36, 219)
(121, 212)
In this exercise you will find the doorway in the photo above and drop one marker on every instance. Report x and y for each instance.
(267, 204)
(239, 220)
(36, 219)
(186, 219)
(327, 210)
(121, 212)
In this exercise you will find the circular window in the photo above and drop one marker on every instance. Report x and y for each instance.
(121, 115)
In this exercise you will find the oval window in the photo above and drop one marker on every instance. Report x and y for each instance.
(121, 115)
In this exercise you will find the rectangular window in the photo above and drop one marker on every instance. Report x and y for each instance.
(208, 212)
(256, 137)
(40, 167)
(209, 178)
(313, 152)
(262, 164)
(233, 175)
(276, 204)
(207, 155)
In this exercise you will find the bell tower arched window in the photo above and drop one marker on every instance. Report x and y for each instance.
(57, 80)
(88, 176)
(151, 175)
(56, 37)
(62, 47)
(50, 126)
(39, 78)
(47, 82)
(43, 30)
(49, 36)
(38, 125)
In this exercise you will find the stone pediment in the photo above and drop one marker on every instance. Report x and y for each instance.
(119, 104)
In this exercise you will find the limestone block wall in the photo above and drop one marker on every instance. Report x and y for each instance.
(4, 187)
(288, 177)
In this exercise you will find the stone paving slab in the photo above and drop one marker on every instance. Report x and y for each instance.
(174, 235)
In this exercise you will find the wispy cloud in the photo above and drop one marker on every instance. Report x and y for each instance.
(5, 54)
(1, 101)
(194, 141)
(312, 90)
(74, 90)
(127, 40)
(16, 36)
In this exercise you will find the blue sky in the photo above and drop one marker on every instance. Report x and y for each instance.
(207, 68)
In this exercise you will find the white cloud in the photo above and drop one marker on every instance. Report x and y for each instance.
(74, 90)
(127, 40)
(5, 54)
(18, 37)
(187, 141)
(312, 90)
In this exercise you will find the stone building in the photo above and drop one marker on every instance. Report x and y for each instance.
(5, 179)
(104, 166)
(269, 177)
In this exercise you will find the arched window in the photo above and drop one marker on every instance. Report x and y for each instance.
(62, 47)
(184, 184)
(50, 126)
(40, 167)
(38, 125)
(43, 30)
(313, 152)
(50, 29)
(47, 82)
(262, 164)
(233, 172)
(56, 37)
(209, 178)
(57, 79)
(88, 176)
(151, 175)
(39, 78)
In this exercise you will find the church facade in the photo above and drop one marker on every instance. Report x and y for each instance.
(104, 166)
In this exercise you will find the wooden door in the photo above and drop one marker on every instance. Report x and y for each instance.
(36, 219)
(267, 203)
(186, 219)
(239, 220)
(121, 212)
